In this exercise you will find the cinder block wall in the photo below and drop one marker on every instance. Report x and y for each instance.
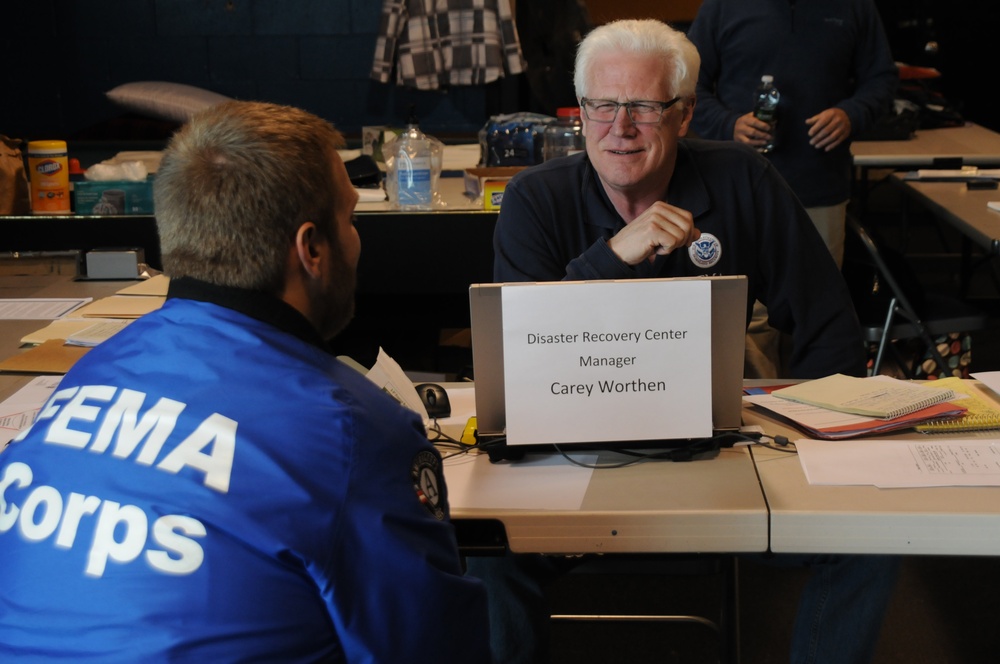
(61, 56)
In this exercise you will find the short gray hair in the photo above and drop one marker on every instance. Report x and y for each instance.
(640, 37)
(235, 184)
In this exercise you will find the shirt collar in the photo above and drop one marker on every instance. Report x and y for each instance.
(686, 189)
(256, 304)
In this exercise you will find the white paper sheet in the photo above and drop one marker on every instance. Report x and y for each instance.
(19, 409)
(39, 308)
(97, 333)
(815, 417)
(990, 379)
(389, 376)
(901, 463)
(583, 362)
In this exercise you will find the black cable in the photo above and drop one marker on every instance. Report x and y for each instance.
(603, 465)
(778, 444)
(442, 439)
(679, 454)
(440, 436)
(484, 446)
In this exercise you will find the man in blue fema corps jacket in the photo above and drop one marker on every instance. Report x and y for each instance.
(211, 484)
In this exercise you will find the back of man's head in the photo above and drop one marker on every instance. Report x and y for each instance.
(235, 184)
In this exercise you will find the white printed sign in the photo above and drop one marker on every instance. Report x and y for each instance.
(607, 361)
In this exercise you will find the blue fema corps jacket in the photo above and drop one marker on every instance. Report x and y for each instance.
(210, 485)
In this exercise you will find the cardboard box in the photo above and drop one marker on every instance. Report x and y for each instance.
(113, 197)
(489, 182)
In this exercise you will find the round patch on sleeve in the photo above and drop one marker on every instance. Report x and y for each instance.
(428, 482)
(705, 251)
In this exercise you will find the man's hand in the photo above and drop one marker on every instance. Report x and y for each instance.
(751, 131)
(828, 129)
(656, 232)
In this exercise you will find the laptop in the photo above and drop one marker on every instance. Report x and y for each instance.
(728, 329)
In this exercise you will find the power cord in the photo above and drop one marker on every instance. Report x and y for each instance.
(778, 444)
(687, 453)
(441, 439)
(678, 454)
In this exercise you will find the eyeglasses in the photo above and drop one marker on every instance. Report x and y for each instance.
(639, 112)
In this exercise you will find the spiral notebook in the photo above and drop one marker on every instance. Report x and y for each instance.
(883, 397)
(983, 412)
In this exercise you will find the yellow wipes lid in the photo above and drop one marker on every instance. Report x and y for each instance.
(47, 146)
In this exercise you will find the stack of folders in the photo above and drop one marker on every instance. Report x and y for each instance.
(840, 406)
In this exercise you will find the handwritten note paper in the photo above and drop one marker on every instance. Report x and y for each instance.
(902, 463)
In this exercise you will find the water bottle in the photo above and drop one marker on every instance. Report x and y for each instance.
(765, 108)
(565, 135)
(411, 168)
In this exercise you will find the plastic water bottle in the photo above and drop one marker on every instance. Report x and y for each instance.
(765, 107)
(565, 135)
(412, 153)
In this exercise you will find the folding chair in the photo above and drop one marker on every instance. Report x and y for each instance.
(937, 315)
(722, 628)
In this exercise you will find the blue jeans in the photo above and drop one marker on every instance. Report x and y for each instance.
(841, 609)
(838, 620)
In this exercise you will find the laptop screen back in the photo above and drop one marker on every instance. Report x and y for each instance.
(728, 325)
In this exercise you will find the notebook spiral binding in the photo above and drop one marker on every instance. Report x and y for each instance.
(980, 416)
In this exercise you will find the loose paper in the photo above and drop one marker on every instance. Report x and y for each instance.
(39, 308)
(901, 463)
